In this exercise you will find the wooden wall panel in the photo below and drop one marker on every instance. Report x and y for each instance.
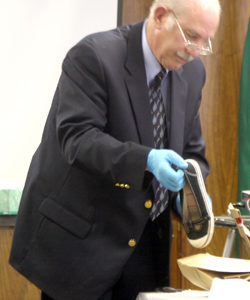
(13, 286)
(219, 111)
(134, 11)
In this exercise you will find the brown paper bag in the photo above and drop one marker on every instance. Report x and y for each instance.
(201, 269)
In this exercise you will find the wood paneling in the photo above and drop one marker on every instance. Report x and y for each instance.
(219, 111)
(134, 11)
(13, 286)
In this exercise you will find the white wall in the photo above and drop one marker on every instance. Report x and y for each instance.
(35, 36)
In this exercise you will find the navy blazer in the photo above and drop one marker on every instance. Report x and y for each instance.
(83, 206)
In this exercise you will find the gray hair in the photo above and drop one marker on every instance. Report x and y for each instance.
(180, 6)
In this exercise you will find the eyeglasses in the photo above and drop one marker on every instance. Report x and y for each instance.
(203, 50)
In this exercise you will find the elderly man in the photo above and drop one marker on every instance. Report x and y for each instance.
(114, 144)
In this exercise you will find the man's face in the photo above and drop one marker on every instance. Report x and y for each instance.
(167, 42)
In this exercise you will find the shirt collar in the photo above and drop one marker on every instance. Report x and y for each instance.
(152, 66)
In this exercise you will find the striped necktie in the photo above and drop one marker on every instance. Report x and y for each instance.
(159, 131)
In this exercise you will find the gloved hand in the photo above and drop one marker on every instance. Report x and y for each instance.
(162, 163)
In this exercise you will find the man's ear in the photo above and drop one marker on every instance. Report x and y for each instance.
(160, 14)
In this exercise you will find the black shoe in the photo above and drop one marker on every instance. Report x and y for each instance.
(197, 214)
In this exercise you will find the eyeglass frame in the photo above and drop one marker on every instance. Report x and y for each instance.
(193, 46)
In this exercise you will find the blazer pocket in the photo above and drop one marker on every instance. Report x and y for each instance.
(64, 218)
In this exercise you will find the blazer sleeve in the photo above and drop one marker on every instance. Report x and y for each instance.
(82, 122)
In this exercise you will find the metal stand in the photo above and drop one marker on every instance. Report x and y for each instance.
(228, 222)
(228, 248)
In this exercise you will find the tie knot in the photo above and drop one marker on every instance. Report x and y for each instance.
(160, 75)
(158, 78)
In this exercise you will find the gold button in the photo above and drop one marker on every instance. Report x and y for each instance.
(117, 184)
(132, 242)
(122, 185)
(127, 186)
(148, 204)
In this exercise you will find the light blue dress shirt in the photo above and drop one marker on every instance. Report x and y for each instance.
(152, 65)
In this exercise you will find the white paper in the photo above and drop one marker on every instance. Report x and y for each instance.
(217, 264)
(184, 295)
(229, 289)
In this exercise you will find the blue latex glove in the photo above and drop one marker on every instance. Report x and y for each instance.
(162, 163)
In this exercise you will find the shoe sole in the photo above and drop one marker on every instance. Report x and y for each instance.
(206, 239)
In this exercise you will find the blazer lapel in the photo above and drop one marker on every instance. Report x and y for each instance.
(135, 79)
(136, 83)
(178, 103)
